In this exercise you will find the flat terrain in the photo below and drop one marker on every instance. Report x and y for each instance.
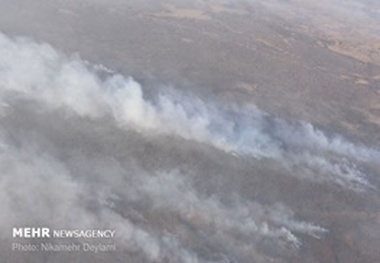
(320, 69)
(312, 69)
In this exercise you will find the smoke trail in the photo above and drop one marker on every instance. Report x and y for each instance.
(37, 188)
(36, 72)
(68, 175)
(174, 192)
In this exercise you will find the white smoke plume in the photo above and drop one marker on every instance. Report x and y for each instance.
(37, 189)
(60, 166)
(37, 73)
(173, 191)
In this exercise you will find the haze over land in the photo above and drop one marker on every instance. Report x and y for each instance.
(200, 131)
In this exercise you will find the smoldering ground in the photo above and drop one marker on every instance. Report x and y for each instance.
(179, 179)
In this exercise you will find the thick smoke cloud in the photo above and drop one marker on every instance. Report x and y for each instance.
(58, 167)
(38, 73)
(37, 189)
